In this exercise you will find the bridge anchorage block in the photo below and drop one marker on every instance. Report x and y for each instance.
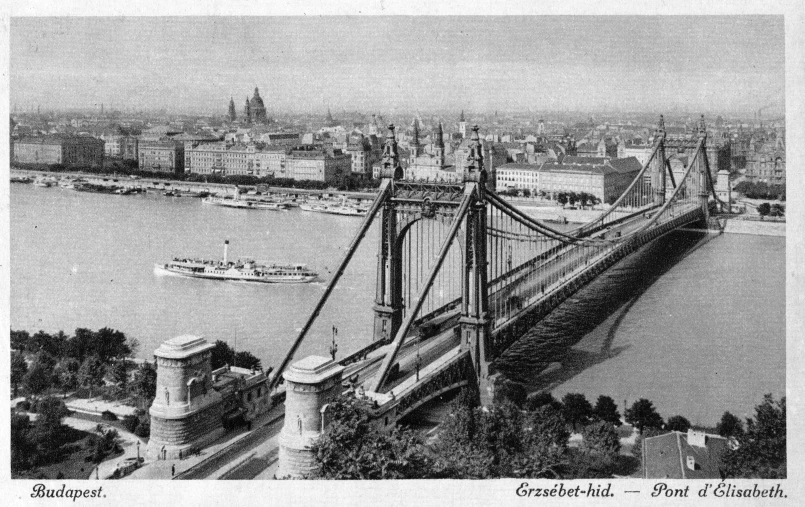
(312, 383)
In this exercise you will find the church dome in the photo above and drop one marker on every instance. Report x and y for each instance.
(257, 101)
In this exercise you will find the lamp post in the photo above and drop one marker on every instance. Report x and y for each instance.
(138, 452)
(334, 347)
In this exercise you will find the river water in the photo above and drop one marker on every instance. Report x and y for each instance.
(695, 323)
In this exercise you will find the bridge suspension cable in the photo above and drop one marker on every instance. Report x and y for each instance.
(353, 246)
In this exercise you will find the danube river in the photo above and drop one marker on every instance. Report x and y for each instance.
(694, 323)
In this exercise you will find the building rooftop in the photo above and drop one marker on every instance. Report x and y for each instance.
(677, 455)
(183, 346)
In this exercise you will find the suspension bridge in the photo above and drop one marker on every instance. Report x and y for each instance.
(462, 274)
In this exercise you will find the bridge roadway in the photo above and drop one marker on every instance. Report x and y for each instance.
(553, 269)
(430, 349)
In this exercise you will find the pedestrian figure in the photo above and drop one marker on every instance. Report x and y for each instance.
(173, 470)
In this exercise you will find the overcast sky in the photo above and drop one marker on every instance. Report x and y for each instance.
(704, 63)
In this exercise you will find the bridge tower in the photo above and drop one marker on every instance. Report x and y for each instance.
(388, 290)
(474, 323)
(704, 170)
(658, 181)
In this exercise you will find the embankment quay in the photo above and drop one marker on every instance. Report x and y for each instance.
(123, 180)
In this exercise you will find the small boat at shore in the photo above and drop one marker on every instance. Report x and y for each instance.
(44, 182)
(242, 270)
(20, 179)
(244, 204)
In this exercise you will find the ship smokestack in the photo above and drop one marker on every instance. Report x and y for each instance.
(226, 250)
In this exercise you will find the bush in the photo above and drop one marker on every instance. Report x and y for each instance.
(107, 415)
(143, 429)
(130, 422)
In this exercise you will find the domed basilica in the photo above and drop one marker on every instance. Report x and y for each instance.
(253, 112)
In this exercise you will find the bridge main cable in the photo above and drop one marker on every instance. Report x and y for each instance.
(353, 246)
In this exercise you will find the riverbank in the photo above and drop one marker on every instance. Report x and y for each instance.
(754, 227)
(221, 189)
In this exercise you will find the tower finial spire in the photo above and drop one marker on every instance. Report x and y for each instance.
(391, 157)
(702, 127)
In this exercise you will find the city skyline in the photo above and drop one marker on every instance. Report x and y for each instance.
(682, 63)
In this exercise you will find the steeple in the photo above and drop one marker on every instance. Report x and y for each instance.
(462, 125)
(702, 127)
(231, 115)
(439, 146)
(461, 118)
(414, 144)
(247, 111)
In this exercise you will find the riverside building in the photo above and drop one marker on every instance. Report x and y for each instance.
(69, 151)
(300, 163)
(161, 156)
(606, 179)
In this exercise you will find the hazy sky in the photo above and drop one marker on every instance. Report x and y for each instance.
(703, 63)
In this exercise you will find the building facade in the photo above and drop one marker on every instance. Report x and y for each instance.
(606, 179)
(70, 151)
(120, 146)
(161, 156)
(364, 152)
(316, 164)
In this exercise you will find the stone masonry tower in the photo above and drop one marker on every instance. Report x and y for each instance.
(186, 413)
(311, 384)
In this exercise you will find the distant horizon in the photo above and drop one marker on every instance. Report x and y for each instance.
(727, 65)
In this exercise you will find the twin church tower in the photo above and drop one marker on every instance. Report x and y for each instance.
(253, 112)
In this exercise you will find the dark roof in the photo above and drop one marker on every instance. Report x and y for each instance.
(60, 140)
(666, 456)
(572, 159)
(626, 165)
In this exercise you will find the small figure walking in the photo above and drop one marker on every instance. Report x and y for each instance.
(173, 470)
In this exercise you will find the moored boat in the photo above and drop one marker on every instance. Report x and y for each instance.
(335, 208)
(244, 204)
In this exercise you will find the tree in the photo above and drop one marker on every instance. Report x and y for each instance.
(40, 374)
(47, 432)
(542, 399)
(221, 355)
(19, 340)
(120, 373)
(572, 198)
(245, 359)
(110, 344)
(91, 373)
(576, 409)
(510, 391)
(761, 450)
(642, 414)
(764, 209)
(606, 410)
(600, 438)
(562, 198)
(729, 426)
(22, 450)
(143, 385)
(677, 423)
(351, 447)
(18, 370)
(67, 373)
